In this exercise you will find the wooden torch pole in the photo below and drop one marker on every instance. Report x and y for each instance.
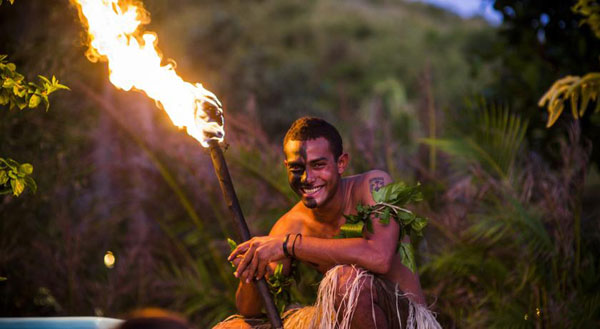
(233, 204)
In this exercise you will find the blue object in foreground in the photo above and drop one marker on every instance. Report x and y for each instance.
(77, 322)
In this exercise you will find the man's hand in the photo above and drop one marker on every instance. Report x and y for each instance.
(256, 254)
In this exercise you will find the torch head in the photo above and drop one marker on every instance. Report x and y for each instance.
(208, 117)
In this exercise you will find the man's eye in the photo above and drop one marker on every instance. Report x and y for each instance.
(319, 165)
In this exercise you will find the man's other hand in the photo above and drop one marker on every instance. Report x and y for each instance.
(252, 257)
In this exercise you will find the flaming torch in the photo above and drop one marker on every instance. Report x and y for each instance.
(134, 62)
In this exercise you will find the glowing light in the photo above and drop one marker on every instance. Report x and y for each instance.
(109, 259)
(538, 312)
(134, 62)
(526, 316)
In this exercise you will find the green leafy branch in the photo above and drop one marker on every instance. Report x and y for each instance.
(14, 177)
(591, 10)
(18, 93)
(279, 284)
(390, 202)
(580, 91)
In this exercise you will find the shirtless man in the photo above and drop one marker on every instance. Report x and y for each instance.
(315, 162)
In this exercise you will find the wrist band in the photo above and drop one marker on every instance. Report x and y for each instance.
(285, 251)
(294, 244)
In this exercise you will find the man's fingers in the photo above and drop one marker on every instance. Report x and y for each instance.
(245, 262)
(262, 269)
(236, 261)
(239, 250)
(251, 270)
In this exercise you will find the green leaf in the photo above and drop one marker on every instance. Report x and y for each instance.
(4, 98)
(2, 278)
(418, 224)
(46, 102)
(8, 83)
(26, 169)
(44, 79)
(407, 256)
(278, 269)
(232, 244)
(3, 177)
(18, 185)
(385, 217)
(60, 86)
(34, 101)
(406, 217)
(31, 184)
(12, 164)
(351, 230)
(369, 225)
(21, 103)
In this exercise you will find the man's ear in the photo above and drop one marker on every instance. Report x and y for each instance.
(285, 162)
(342, 162)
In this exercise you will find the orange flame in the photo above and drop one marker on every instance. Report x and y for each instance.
(134, 62)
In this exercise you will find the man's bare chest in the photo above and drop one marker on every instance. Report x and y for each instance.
(322, 230)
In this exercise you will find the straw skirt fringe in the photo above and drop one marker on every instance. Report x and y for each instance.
(325, 315)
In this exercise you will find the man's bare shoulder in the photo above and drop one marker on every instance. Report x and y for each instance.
(292, 221)
(370, 181)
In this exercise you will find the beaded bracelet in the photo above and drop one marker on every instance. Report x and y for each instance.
(285, 251)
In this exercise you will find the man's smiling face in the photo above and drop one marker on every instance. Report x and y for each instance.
(313, 172)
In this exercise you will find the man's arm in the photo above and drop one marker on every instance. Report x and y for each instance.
(374, 253)
(247, 297)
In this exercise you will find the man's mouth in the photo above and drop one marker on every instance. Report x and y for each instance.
(311, 190)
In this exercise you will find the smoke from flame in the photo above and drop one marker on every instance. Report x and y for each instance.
(134, 62)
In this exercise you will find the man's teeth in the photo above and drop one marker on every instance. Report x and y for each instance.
(311, 190)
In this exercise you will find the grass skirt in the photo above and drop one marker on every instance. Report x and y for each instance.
(400, 311)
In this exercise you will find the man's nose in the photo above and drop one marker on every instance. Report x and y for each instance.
(307, 177)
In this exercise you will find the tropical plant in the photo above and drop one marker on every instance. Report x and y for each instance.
(590, 9)
(14, 177)
(390, 203)
(15, 92)
(518, 257)
(578, 90)
(486, 135)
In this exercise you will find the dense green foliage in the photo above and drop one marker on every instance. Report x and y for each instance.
(14, 177)
(17, 93)
(519, 257)
(579, 91)
(512, 239)
(540, 42)
(390, 203)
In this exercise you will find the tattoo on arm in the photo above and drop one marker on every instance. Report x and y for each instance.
(375, 184)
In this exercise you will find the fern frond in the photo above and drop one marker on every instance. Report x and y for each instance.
(577, 90)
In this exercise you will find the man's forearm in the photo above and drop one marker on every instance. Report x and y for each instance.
(247, 300)
(327, 252)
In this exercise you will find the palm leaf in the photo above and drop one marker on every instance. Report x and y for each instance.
(488, 135)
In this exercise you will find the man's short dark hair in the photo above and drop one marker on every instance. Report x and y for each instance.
(309, 128)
